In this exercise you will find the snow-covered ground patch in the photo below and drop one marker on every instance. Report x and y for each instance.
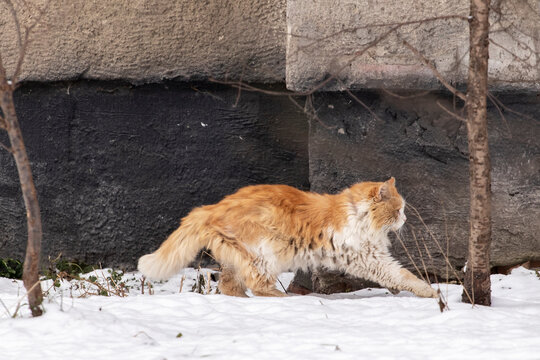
(367, 324)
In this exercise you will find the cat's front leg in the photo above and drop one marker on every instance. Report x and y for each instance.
(415, 285)
(384, 270)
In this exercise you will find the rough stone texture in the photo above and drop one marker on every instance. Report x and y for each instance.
(148, 41)
(425, 149)
(116, 167)
(325, 40)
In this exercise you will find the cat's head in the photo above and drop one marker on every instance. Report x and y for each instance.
(385, 206)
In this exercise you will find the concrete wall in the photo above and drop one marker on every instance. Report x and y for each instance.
(148, 41)
(352, 43)
(116, 166)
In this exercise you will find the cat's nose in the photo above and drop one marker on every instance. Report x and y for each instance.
(404, 217)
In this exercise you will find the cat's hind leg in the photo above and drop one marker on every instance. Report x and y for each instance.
(243, 269)
(260, 276)
(264, 286)
(230, 283)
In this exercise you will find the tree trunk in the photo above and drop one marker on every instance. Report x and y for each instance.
(477, 281)
(33, 248)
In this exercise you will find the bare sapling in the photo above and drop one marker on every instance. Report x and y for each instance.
(10, 123)
(477, 276)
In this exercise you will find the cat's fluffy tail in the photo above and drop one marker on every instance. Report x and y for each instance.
(177, 251)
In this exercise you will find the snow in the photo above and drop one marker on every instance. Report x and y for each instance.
(367, 324)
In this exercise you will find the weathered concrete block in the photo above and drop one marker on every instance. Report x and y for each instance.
(148, 41)
(353, 42)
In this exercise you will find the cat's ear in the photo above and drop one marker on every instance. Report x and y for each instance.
(383, 191)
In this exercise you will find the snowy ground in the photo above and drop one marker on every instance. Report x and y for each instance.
(367, 324)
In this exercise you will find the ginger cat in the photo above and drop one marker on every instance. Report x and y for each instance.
(263, 230)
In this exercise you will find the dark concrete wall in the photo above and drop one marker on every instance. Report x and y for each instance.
(117, 166)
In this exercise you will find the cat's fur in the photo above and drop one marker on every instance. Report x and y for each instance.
(263, 230)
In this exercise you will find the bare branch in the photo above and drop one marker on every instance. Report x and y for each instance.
(451, 113)
(405, 97)
(437, 74)
(23, 46)
(3, 79)
(395, 26)
(247, 87)
(320, 85)
(501, 114)
(422, 256)
(445, 255)
(310, 111)
(517, 113)
(239, 89)
(363, 104)
(409, 255)
(7, 148)
(15, 17)
(521, 60)
(507, 31)
(371, 26)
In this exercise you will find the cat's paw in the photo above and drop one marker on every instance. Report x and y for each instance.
(427, 292)
(394, 291)
(434, 293)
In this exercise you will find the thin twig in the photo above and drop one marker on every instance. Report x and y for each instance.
(309, 110)
(451, 113)
(283, 287)
(349, 92)
(22, 41)
(5, 307)
(371, 26)
(435, 72)
(7, 148)
(523, 61)
(501, 114)
(447, 247)
(430, 258)
(239, 89)
(320, 85)
(15, 17)
(182, 283)
(409, 255)
(19, 301)
(421, 255)
(406, 97)
(517, 113)
(440, 249)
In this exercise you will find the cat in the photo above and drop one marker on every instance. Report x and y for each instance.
(263, 230)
